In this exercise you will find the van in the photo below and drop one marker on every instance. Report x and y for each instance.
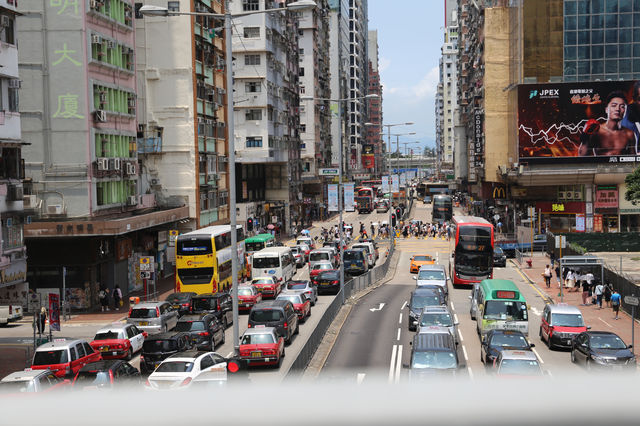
(321, 255)
(432, 353)
(307, 241)
(355, 261)
(371, 255)
(560, 324)
(274, 261)
(275, 313)
(501, 306)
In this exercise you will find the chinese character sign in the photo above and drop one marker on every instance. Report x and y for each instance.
(332, 197)
(580, 222)
(348, 195)
(395, 183)
(606, 198)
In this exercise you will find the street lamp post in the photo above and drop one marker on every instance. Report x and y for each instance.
(296, 6)
(340, 173)
(406, 152)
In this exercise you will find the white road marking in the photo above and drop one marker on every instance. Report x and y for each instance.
(605, 322)
(455, 317)
(399, 331)
(379, 308)
(400, 319)
(464, 351)
(536, 311)
(538, 355)
(460, 334)
(404, 305)
(393, 362)
(360, 378)
(453, 308)
(230, 354)
(398, 364)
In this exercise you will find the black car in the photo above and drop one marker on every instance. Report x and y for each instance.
(279, 314)
(328, 282)
(106, 374)
(157, 347)
(602, 349)
(181, 301)
(218, 304)
(500, 340)
(499, 257)
(204, 329)
(420, 298)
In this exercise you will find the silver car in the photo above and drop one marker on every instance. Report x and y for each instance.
(322, 255)
(299, 256)
(438, 316)
(433, 274)
(153, 317)
(310, 291)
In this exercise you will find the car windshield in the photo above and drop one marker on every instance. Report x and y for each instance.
(567, 320)
(498, 250)
(17, 386)
(204, 304)
(257, 339)
(352, 255)
(297, 286)
(422, 258)
(175, 367)
(318, 256)
(506, 310)
(442, 319)
(51, 357)
(422, 301)
(521, 367)
(143, 313)
(607, 341)
(431, 275)
(331, 275)
(265, 315)
(295, 250)
(245, 292)
(190, 326)
(321, 266)
(292, 298)
(92, 378)
(178, 298)
(108, 335)
(266, 262)
(262, 281)
(433, 359)
(509, 340)
(159, 346)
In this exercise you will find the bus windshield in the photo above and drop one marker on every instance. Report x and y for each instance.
(473, 263)
(506, 310)
(266, 262)
(474, 250)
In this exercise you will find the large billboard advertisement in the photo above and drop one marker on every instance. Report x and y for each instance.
(596, 121)
(368, 157)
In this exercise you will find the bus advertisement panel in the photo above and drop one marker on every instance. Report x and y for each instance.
(472, 250)
(203, 259)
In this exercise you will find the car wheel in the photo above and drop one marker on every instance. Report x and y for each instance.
(573, 356)
(129, 355)
(297, 328)
(224, 338)
(278, 364)
(212, 344)
(540, 333)
(164, 328)
(309, 313)
(224, 324)
(283, 352)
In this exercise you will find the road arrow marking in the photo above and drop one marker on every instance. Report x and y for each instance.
(536, 311)
(379, 308)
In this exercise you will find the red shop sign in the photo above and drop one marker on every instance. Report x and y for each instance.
(559, 207)
(606, 199)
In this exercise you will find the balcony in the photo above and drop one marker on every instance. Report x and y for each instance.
(150, 145)
(10, 124)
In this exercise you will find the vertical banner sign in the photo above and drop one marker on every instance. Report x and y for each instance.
(332, 197)
(597, 223)
(348, 195)
(403, 179)
(54, 312)
(385, 184)
(580, 222)
(395, 183)
(478, 138)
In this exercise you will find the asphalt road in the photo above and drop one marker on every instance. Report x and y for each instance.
(374, 341)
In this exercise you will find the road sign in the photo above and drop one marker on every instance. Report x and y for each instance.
(329, 172)
(173, 235)
(561, 241)
(632, 300)
(147, 263)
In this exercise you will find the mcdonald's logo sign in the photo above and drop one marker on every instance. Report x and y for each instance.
(499, 193)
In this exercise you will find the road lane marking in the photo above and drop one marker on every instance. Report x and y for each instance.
(460, 334)
(605, 322)
(230, 354)
(393, 362)
(400, 319)
(464, 352)
(536, 311)
(360, 377)
(538, 355)
(404, 305)
(470, 373)
(525, 279)
(398, 364)
(399, 331)
(453, 308)
(455, 317)
(379, 308)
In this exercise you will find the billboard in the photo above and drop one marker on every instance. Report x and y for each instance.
(596, 121)
(368, 157)
(332, 197)
(348, 195)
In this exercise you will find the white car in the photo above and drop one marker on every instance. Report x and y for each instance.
(118, 341)
(180, 370)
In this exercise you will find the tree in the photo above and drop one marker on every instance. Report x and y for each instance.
(633, 186)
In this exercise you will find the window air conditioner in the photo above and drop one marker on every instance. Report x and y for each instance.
(568, 195)
(117, 163)
(96, 39)
(103, 164)
(100, 116)
(132, 200)
(54, 209)
(561, 195)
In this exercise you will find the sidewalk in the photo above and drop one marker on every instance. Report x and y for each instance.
(598, 319)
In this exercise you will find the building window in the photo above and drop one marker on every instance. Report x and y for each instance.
(249, 5)
(254, 142)
(253, 115)
(252, 87)
(7, 34)
(303, 128)
(252, 32)
(301, 51)
(13, 100)
(252, 59)
(173, 6)
(301, 72)
(302, 90)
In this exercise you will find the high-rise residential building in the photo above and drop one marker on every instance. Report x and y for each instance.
(373, 149)
(267, 116)
(91, 217)
(358, 74)
(449, 83)
(13, 260)
(439, 116)
(315, 114)
(339, 70)
(182, 111)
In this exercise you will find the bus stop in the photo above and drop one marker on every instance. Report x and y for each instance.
(580, 262)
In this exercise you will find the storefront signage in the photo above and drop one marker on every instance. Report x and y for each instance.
(569, 207)
(54, 312)
(14, 274)
(173, 236)
(606, 198)
(328, 172)
(597, 223)
(580, 223)
(478, 136)
(499, 193)
(557, 207)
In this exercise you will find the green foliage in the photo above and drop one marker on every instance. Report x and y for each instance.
(633, 186)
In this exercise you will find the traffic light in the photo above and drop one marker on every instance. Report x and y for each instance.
(249, 224)
(398, 212)
(393, 220)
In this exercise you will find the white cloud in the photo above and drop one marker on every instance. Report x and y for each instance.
(383, 64)
(428, 85)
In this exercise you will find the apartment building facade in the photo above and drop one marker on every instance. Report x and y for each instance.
(373, 149)
(339, 70)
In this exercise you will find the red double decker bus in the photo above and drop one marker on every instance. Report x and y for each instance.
(472, 250)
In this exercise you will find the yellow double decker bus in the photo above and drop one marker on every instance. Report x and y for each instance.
(203, 259)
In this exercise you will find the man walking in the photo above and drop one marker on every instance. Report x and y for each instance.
(599, 291)
(547, 276)
(615, 302)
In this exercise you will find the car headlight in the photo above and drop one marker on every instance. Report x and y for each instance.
(413, 314)
(600, 359)
(631, 360)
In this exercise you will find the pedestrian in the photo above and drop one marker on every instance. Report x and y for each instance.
(104, 299)
(373, 230)
(547, 276)
(117, 297)
(585, 292)
(570, 281)
(42, 320)
(499, 226)
(615, 302)
(607, 294)
(599, 292)
(558, 275)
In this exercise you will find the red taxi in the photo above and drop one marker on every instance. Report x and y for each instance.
(262, 346)
(248, 296)
(118, 341)
(319, 267)
(300, 303)
(560, 324)
(64, 357)
(267, 286)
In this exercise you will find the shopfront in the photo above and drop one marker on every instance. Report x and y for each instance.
(629, 213)
(606, 209)
(567, 216)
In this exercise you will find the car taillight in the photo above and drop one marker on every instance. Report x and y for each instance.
(336, 282)
(286, 325)
(157, 312)
(204, 333)
(147, 383)
(186, 305)
(186, 381)
(249, 325)
(130, 309)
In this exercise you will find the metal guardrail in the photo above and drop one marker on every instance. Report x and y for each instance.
(350, 288)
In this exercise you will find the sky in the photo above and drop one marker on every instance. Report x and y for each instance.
(410, 36)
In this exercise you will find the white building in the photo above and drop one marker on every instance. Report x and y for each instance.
(339, 69)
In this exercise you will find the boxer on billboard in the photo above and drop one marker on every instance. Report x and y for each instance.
(610, 138)
(631, 119)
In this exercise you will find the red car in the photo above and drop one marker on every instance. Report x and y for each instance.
(262, 346)
(247, 297)
(267, 286)
(319, 267)
(64, 357)
(300, 303)
(118, 341)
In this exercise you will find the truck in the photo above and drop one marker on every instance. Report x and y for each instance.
(364, 204)
(9, 313)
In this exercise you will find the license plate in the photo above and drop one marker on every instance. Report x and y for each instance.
(143, 323)
(259, 290)
(104, 349)
(256, 354)
(353, 267)
(176, 306)
(323, 284)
